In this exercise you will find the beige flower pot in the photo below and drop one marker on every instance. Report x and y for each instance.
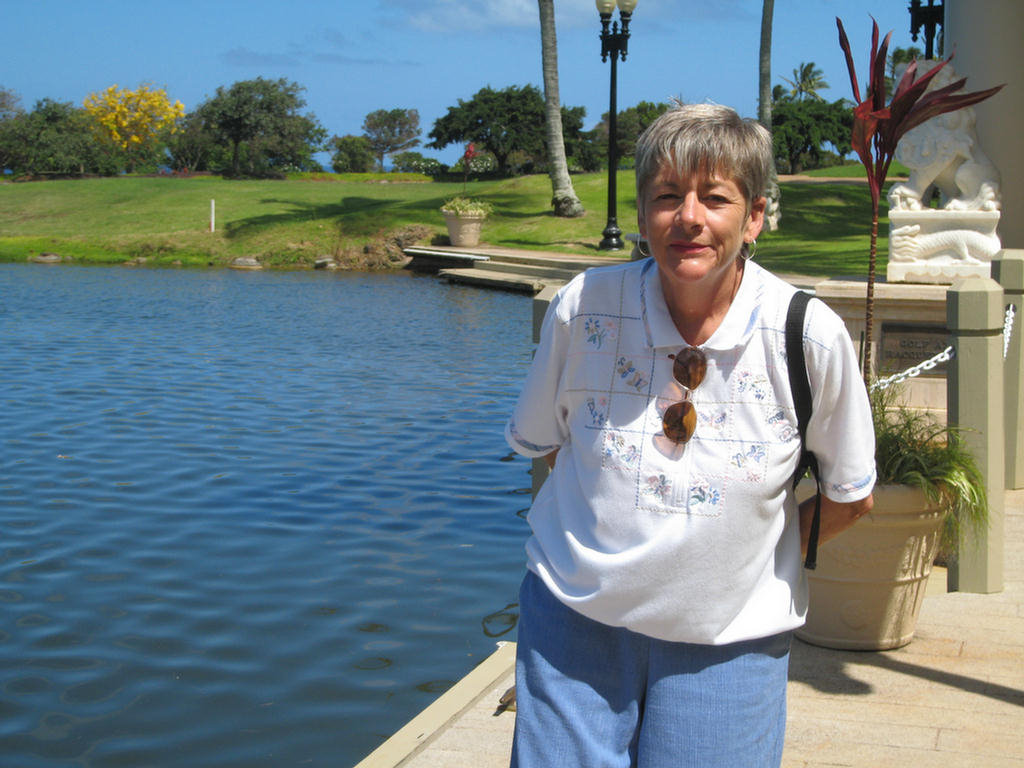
(867, 590)
(462, 229)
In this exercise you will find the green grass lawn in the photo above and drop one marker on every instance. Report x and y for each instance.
(291, 223)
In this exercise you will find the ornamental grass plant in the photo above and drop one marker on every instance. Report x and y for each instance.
(912, 448)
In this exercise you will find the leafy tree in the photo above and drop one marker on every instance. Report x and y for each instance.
(135, 120)
(10, 103)
(193, 145)
(563, 196)
(502, 122)
(802, 129)
(630, 122)
(896, 57)
(807, 81)
(579, 145)
(391, 130)
(10, 107)
(414, 162)
(54, 138)
(352, 154)
(260, 120)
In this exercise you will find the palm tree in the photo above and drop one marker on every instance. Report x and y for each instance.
(764, 108)
(896, 57)
(563, 196)
(807, 81)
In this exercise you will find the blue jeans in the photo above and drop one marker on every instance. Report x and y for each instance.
(594, 696)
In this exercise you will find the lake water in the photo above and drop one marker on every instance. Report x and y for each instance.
(248, 519)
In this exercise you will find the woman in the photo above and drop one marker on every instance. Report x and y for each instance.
(664, 567)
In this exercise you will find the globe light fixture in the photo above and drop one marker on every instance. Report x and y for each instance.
(614, 43)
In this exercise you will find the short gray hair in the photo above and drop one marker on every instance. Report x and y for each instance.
(705, 139)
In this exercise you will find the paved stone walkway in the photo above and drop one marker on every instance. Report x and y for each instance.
(953, 698)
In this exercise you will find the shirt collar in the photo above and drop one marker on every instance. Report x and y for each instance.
(737, 327)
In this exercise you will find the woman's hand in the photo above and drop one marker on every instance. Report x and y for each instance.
(550, 458)
(836, 517)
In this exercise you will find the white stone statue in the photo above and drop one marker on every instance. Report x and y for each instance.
(938, 245)
(944, 153)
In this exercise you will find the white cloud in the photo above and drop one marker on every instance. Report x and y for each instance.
(475, 15)
(245, 57)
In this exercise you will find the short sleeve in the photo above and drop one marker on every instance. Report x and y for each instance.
(538, 424)
(840, 433)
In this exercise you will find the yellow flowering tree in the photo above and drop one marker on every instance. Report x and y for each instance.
(134, 120)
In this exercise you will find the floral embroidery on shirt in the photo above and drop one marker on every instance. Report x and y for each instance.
(704, 497)
(754, 384)
(598, 331)
(629, 373)
(782, 426)
(755, 455)
(712, 418)
(618, 453)
(658, 486)
(598, 410)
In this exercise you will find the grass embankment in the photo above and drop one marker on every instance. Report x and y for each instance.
(292, 223)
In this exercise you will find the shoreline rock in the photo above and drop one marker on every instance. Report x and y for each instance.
(46, 257)
(245, 262)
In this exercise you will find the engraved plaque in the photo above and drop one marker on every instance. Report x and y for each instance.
(906, 345)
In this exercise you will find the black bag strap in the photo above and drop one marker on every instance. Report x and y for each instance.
(801, 389)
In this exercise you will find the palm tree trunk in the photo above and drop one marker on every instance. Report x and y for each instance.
(563, 196)
(773, 212)
(764, 66)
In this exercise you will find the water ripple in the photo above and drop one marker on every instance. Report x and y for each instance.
(248, 519)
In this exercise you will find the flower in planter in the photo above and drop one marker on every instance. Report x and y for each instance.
(878, 128)
(465, 206)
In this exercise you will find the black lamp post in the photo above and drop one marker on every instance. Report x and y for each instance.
(614, 42)
(929, 17)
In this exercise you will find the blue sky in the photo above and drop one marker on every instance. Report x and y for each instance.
(355, 57)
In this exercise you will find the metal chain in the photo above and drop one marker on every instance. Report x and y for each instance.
(943, 356)
(946, 355)
(1008, 328)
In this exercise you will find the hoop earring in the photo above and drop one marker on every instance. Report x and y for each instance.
(640, 247)
(749, 249)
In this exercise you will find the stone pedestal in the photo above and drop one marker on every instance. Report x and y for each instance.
(940, 246)
(910, 327)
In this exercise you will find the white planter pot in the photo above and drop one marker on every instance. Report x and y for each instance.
(463, 230)
(867, 590)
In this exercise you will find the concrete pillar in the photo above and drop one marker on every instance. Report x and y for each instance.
(985, 39)
(974, 382)
(541, 302)
(1008, 271)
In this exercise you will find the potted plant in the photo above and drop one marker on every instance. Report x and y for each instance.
(867, 589)
(464, 217)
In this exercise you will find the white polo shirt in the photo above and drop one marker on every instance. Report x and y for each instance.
(696, 543)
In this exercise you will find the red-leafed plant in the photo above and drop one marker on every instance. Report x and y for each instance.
(467, 159)
(878, 128)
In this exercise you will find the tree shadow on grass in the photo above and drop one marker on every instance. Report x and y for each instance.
(831, 235)
(352, 215)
